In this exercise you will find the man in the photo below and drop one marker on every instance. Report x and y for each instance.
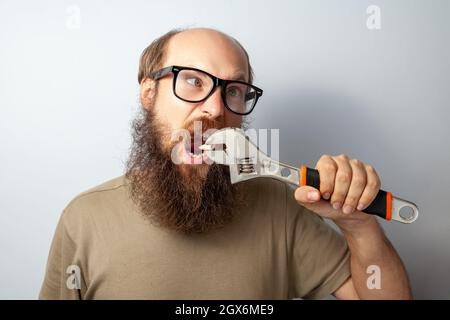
(177, 230)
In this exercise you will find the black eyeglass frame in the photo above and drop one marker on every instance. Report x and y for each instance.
(217, 82)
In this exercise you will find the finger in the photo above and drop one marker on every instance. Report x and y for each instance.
(373, 184)
(342, 181)
(327, 168)
(307, 194)
(357, 186)
(321, 207)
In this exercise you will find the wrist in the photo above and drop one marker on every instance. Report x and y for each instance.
(366, 240)
(359, 228)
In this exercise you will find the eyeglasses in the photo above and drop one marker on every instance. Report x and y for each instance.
(194, 85)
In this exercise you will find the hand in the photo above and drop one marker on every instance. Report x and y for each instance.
(349, 184)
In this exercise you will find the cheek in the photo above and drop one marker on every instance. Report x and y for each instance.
(172, 111)
(232, 120)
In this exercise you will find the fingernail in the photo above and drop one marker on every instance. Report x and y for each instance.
(312, 195)
(337, 205)
(360, 207)
(326, 196)
(347, 209)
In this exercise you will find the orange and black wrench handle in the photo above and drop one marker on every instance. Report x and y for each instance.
(385, 205)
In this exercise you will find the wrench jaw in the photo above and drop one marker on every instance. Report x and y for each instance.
(241, 155)
(218, 156)
(245, 160)
(237, 147)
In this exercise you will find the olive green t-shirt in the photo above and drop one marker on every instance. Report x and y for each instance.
(272, 249)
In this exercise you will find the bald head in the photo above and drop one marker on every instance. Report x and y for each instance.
(198, 35)
(196, 47)
(208, 50)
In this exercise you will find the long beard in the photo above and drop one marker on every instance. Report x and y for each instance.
(185, 198)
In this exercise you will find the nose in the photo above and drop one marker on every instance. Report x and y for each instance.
(214, 106)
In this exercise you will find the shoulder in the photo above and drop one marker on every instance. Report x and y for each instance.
(95, 202)
(105, 191)
(104, 187)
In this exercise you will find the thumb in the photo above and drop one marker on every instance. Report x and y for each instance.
(307, 194)
(309, 197)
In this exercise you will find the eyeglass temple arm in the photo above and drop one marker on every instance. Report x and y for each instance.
(161, 73)
(252, 95)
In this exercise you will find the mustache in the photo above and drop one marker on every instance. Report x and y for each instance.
(198, 129)
(206, 124)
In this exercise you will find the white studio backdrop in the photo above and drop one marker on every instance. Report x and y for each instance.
(335, 81)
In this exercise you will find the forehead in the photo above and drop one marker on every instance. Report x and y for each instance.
(208, 50)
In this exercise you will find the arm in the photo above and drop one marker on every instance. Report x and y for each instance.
(369, 246)
(351, 186)
(62, 275)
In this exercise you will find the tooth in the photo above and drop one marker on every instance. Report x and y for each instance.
(195, 155)
(205, 147)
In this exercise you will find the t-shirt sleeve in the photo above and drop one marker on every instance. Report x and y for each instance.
(319, 255)
(62, 276)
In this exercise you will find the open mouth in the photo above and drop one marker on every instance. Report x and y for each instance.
(192, 139)
(192, 145)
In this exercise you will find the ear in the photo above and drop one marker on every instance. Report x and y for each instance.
(147, 92)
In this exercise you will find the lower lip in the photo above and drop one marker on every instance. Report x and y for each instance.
(188, 158)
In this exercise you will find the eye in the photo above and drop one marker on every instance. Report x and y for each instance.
(193, 81)
(234, 92)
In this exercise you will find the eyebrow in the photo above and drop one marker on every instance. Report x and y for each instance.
(239, 76)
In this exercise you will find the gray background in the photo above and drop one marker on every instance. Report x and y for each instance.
(67, 97)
